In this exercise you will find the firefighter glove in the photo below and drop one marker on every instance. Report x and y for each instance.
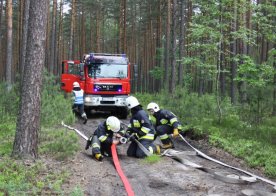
(175, 132)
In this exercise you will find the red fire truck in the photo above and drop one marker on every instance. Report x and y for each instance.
(105, 79)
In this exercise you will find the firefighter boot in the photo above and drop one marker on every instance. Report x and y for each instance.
(99, 156)
(168, 145)
(158, 150)
(84, 118)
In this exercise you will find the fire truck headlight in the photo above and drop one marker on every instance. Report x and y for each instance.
(88, 99)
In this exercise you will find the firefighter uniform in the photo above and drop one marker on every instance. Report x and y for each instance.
(141, 127)
(165, 122)
(102, 140)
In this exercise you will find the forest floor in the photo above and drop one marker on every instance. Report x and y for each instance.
(166, 177)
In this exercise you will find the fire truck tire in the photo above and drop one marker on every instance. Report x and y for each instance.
(87, 111)
(124, 113)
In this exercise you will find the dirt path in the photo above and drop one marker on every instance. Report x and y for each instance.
(167, 177)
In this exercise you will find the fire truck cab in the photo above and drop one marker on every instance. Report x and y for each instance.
(105, 79)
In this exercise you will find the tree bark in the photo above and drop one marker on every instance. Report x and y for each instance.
(1, 44)
(233, 52)
(9, 45)
(28, 121)
(181, 42)
(53, 38)
(71, 41)
(167, 48)
(274, 90)
(173, 67)
(24, 36)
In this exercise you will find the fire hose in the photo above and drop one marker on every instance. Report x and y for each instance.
(116, 162)
(219, 175)
(120, 171)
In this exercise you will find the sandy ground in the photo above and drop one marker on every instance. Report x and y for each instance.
(166, 177)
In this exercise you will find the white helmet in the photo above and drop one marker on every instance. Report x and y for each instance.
(76, 84)
(113, 123)
(153, 106)
(132, 102)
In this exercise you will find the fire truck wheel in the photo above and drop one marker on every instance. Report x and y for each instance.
(124, 113)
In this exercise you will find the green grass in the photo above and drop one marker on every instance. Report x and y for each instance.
(59, 143)
(151, 159)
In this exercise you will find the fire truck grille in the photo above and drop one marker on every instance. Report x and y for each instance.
(107, 87)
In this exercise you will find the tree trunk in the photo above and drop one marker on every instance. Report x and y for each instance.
(9, 45)
(274, 91)
(1, 44)
(122, 26)
(173, 67)
(233, 48)
(60, 54)
(53, 38)
(167, 49)
(28, 121)
(181, 42)
(71, 41)
(24, 36)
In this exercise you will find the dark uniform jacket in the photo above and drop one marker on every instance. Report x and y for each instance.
(141, 125)
(165, 117)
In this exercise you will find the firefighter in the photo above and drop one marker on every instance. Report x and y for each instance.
(165, 123)
(78, 105)
(141, 129)
(106, 134)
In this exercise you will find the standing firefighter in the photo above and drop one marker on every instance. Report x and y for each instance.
(140, 128)
(107, 133)
(78, 101)
(165, 123)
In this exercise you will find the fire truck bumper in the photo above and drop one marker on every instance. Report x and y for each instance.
(98, 100)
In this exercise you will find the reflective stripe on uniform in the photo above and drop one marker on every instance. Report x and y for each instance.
(173, 120)
(148, 136)
(145, 130)
(102, 138)
(95, 145)
(150, 149)
(163, 137)
(136, 123)
(164, 121)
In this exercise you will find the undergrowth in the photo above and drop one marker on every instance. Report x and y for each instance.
(18, 178)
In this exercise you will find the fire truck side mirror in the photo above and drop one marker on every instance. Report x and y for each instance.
(135, 69)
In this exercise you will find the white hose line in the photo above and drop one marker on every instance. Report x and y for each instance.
(80, 133)
(226, 165)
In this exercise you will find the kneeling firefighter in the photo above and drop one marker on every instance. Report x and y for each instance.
(165, 123)
(106, 134)
(141, 129)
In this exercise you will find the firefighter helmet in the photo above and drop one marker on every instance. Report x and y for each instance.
(132, 102)
(76, 84)
(153, 106)
(113, 123)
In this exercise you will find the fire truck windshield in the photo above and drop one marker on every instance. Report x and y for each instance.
(107, 70)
